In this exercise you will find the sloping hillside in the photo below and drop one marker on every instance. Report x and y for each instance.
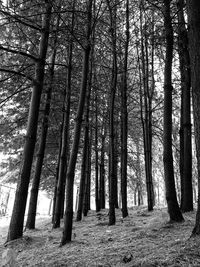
(142, 239)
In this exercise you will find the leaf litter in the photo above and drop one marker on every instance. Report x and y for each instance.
(142, 239)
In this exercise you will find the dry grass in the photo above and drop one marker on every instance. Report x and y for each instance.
(142, 239)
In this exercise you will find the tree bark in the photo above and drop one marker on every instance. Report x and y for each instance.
(193, 7)
(172, 203)
(17, 220)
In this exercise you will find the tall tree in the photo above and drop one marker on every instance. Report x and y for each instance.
(84, 164)
(193, 8)
(124, 118)
(30, 223)
(172, 203)
(65, 133)
(146, 97)
(17, 219)
(112, 7)
(186, 150)
(68, 217)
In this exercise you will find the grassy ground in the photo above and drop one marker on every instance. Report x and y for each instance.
(142, 239)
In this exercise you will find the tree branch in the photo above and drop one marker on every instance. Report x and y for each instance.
(18, 19)
(17, 73)
(18, 52)
(2, 103)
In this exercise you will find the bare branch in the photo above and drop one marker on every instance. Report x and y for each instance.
(17, 18)
(3, 102)
(17, 73)
(18, 52)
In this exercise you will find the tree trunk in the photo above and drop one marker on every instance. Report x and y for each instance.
(68, 218)
(86, 199)
(17, 220)
(96, 157)
(88, 184)
(172, 203)
(60, 194)
(112, 93)
(124, 120)
(30, 223)
(146, 118)
(57, 173)
(116, 158)
(83, 172)
(187, 193)
(138, 173)
(84, 166)
(193, 7)
(73, 157)
(181, 157)
(102, 171)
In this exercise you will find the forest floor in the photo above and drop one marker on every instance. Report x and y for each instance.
(142, 239)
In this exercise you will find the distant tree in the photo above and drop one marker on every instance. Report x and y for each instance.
(172, 203)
